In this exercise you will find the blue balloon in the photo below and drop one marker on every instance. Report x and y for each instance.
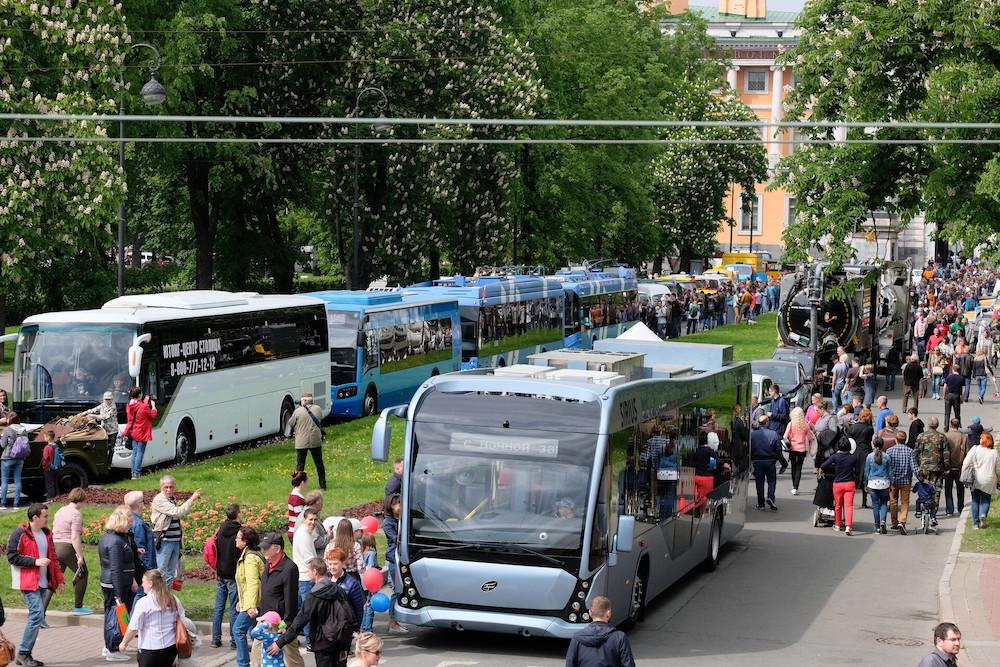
(380, 602)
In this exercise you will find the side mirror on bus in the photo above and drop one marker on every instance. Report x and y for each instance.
(382, 432)
(135, 355)
(9, 338)
(626, 534)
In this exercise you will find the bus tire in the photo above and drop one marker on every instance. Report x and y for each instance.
(501, 363)
(714, 545)
(435, 373)
(637, 601)
(285, 414)
(184, 445)
(370, 405)
(70, 476)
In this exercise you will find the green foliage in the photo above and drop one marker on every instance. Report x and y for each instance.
(153, 278)
(906, 60)
(305, 282)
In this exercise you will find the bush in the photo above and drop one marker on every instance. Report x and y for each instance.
(202, 522)
(152, 278)
(307, 282)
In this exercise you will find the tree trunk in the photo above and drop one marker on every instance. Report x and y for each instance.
(280, 259)
(434, 272)
(657, 265)
(377, 197)
(136, 249)
(204, 219)
(684, 260)
(3, 321)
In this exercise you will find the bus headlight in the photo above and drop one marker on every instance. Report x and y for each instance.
(572, 618)
(347, 392)
(577, 604)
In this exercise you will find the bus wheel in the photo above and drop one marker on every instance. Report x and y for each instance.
(70, 476)
(435, 373)
(184, 446)
(284, 415)
(714, 546)
(637, 603)
(370, 405)
(501, 363)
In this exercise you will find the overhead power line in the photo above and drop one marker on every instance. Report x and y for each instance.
(502, 122)
(475, 141)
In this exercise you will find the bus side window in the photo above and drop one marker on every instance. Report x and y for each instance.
(599, 531)
(370, 358)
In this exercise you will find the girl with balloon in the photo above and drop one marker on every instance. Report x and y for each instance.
(370, 558)
(371, 576)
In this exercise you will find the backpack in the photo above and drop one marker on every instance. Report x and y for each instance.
(58, 459)
(338, 625)
(20, 448)
(210, 552)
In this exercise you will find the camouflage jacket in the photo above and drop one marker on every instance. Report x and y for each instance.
(931, 451)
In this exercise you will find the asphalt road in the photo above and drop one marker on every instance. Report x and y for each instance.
(785, 594)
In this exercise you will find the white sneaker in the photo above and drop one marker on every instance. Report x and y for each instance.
(848, 531)
(104, 651)
(118, 657)
(795, 492)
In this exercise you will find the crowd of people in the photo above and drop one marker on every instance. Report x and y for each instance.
(672, 316)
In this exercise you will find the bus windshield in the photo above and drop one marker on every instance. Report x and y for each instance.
(474, 485)
(73, 362)
(343, 327)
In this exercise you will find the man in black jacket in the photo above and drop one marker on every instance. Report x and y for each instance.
(912, 375)
(279, 592)
(225, 571)
(318, 606)
(765, 452)
(600, 644)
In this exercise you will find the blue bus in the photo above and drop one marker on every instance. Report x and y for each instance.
(384, 344)
(600, 303)
(505, 317)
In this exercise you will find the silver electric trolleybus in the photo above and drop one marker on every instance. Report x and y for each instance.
(530, 489)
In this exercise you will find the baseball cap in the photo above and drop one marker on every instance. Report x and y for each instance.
(272, 539)
(330, 523)
(271, 618)
(356, 524)
(108, 396)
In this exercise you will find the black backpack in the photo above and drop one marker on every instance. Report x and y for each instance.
(338, 622)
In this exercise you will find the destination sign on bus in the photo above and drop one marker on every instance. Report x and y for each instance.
(192, 356)
(542, 448)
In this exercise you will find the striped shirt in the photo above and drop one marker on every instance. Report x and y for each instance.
(296, 504)
(173, 532)
(900, 464)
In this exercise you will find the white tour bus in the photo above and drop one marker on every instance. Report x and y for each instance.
(223, 368)
(528, 490)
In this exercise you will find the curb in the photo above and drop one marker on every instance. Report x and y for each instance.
(65, 619)
(946, 607)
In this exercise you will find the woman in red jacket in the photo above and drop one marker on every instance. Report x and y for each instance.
(139, 413)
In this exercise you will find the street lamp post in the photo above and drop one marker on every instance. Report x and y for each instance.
(381, 105)
(153, 94)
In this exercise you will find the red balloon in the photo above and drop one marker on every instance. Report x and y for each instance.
(370, 525)
(372, 580)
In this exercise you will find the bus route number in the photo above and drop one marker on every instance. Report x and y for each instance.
(628, 410)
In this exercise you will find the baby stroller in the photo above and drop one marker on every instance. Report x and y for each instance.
(826, 445)
(927, 503)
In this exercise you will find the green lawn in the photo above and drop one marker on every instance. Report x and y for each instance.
(255, 474)
(750, 341)
(7, 364)
(987, 540)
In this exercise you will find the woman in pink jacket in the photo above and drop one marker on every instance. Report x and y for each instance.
(801, 441)
(139, 413)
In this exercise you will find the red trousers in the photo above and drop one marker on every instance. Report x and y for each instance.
(843, 503)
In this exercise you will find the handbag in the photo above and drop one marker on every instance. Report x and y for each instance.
(7, 651)
(182, 639)
(937, 370)
(878, 484)
(968, 476)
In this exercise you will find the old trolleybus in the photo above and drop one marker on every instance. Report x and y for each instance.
(223, 368)
(531, 489)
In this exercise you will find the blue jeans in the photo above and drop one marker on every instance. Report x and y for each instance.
(36, 614)
(138, 452)
(980, 507)
(11, 468)
(391, 565)
(224, 588)
(241, 626)
(880, 505)
(890, 378)
(368, 619)
(968, 387)
(167, 555)
(981, 379)
(837, 399)
(768, 469)
(304, 588)
(936, 382)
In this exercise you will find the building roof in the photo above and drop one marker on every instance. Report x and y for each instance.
(712, 14)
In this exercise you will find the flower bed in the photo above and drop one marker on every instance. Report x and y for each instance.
(202, 522)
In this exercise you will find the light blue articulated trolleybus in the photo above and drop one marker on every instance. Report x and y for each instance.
(600, 303)
(383, 344)
(506, 315)
(528, 490)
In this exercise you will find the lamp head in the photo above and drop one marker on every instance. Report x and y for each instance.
(382, 124)
(153, 93)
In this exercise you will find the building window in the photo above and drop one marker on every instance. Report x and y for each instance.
(790, 212)
(751, 219)
(757, 81)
